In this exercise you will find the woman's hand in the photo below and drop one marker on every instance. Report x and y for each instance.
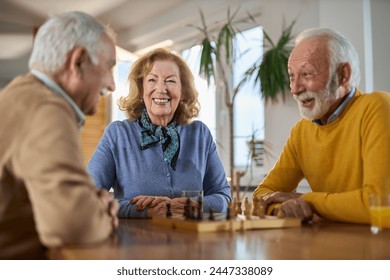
(157, 205)
(144, 201)
(176, 207)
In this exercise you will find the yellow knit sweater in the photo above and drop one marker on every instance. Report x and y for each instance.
(343, 161)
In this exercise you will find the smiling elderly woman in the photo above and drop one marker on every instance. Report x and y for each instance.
(159, 151)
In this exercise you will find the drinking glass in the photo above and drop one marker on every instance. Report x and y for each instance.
(379, 206)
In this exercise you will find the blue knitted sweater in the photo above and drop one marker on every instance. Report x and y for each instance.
(119, 163)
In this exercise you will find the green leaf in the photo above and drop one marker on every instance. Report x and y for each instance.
(271, 72)
(206, 69)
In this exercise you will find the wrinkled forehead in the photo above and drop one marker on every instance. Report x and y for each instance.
(313, 51)
(106, 49)
(167, 67)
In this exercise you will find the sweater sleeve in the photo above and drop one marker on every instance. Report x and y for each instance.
(103, 169)
(343, 162)
(285, 174)
(101, 165)
(352, 206)
(66, 207)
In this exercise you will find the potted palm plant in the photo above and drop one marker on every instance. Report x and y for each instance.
(270, 71)
(216, 60)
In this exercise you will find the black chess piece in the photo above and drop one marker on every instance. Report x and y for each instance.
(200, 209)
(211, 217)
(185, 214)
(187, 209)
(193, 212)
(169, 212)
(228, 216)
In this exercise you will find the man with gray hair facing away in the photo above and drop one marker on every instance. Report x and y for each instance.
(46, 196)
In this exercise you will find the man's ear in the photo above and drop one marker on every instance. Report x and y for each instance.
(344, 74)
(77, 59)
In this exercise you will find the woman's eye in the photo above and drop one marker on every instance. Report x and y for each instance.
(170, 81)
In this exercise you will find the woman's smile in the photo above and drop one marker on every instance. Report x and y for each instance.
(161, 101)
(162, 91)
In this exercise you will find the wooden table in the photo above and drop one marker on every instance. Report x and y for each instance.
(140, 239)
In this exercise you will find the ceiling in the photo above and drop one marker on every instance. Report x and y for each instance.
(139, 24)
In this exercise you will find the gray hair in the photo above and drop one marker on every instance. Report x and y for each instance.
(340, 50)
(62, 33)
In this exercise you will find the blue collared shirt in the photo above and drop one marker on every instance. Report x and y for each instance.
(58, 90)
(338, 111)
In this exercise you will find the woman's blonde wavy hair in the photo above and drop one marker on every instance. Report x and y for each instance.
(133, 104)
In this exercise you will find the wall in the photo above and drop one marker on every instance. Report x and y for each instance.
(93, 129)
(3, 83)
(367, 25)
(380, 23)
(275, 16)
(281, 116)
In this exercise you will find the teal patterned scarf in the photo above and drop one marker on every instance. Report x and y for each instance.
(152, 134)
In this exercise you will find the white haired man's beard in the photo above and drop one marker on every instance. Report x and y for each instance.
(322, 100)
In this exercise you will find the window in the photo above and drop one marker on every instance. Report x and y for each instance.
(248, 105)
(249, 108)
(206, 93)
(121, 72)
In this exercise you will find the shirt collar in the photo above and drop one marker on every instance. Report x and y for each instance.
(336, 114)
(59, 91)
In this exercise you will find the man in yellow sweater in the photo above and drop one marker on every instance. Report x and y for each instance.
(342, 144)
(47, 199)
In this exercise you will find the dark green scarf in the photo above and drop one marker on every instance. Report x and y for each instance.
(152, 134)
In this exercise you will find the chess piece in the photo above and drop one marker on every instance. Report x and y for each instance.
(246, 202)
(228, 216)
(261, 209)
(187, 209)
(234, 203)
(193, 212)
(238, 208)
(248, 210)
(255, 206)
(279, 213)
(211, 216)
(169, 212)
(200, 209)
(232, 209)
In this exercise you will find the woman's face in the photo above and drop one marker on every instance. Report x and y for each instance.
(162, 91)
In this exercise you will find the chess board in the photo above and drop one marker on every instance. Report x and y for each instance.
(219, 224)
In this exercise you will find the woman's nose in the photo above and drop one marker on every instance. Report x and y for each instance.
(161, 86)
